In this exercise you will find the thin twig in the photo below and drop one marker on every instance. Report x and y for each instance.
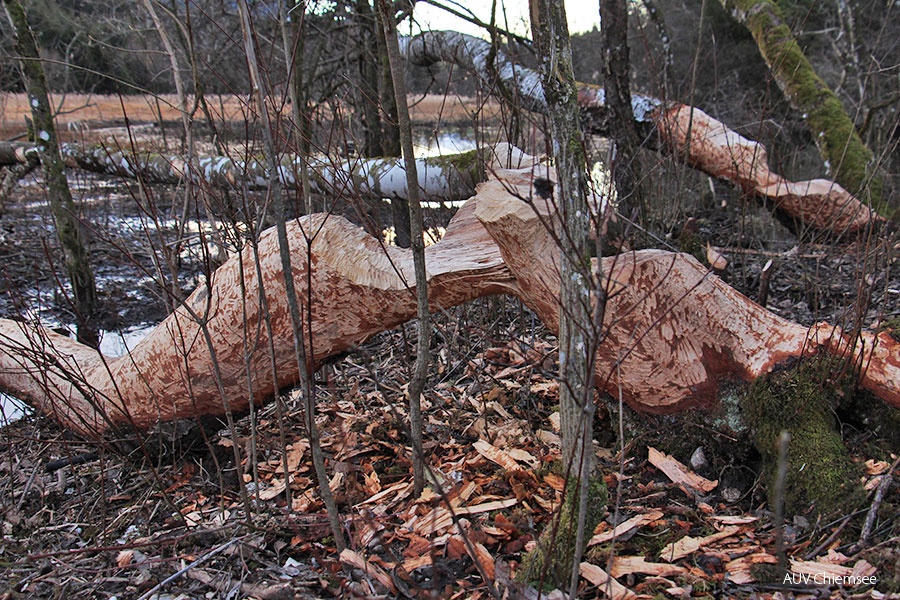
(196, 563)
(883, 487)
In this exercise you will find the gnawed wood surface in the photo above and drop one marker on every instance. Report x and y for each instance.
(675, 331)
(708, 145)
(357, 288)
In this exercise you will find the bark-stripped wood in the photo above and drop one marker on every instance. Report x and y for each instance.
(710, 146)
(675, 331)
(358, 288)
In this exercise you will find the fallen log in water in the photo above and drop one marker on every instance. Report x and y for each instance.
(441, 178)
(686, 133)
(675, 331)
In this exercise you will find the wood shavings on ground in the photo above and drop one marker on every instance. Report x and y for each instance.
(493, 489)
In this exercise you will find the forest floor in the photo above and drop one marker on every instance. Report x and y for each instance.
(165, 516)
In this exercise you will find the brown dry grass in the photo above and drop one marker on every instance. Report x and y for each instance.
(433, 108)
(77, 112)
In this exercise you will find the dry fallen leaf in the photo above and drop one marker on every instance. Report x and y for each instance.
(688, 545)
(625, 565)
(877, 467)
(496, 455)
(353, 559)
(373, 483)
(124, 558)
(602, 579)
(626, 526)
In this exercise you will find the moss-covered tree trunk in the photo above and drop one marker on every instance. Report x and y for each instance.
(849, 161)
(68, 228)
(578, 331)
(803, 401)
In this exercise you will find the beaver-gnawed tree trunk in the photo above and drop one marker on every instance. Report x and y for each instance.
(710, 147)
(674, 330)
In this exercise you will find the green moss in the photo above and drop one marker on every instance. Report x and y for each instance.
(850, 161)
(462, 161)
(551, 559)
(801, 401)
(466, 167)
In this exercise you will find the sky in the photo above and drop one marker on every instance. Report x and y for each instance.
(583, 15)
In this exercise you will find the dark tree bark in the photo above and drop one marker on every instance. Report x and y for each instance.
(616, 65)
(551, 37)
(68, 228)
(416, 232)
(369, 65)
(390, 134)
(293, 40)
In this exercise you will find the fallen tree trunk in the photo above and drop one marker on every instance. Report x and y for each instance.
(833, 131)
(446, 179)
(675, 330)
(685, 132)
(357, 288)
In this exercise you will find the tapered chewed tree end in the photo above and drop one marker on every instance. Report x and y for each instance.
(709, 145)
